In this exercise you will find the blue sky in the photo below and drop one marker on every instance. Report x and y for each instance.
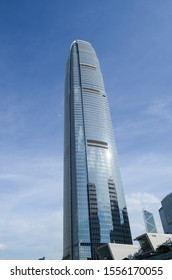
(134, 45)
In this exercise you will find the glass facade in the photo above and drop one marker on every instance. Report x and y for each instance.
(149, 221)
(94, 206)
(166, 213)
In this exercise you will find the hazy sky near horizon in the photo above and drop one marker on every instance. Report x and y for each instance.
(133, 42)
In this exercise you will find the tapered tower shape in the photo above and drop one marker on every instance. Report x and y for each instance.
(149, 222)
(95, 212)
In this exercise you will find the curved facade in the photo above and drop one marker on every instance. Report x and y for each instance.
(94, 206)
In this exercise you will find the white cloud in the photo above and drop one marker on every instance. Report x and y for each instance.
(147, 172)
(148, 119)
(31, 207)
(161, 108)
(138, 201)
(12, 177)
(147, 179)
(39, 235)
(2, 247)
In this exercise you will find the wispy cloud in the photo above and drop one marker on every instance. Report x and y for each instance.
(138, 201)
(2, 247)
(154, 118)
(147, 171)
(11, 119)
(38, 235)
(161, 109)
(31, 206)
(147, 179)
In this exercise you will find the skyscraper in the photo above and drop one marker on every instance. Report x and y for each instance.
(149, 222)
(95, 212)
(166, 213)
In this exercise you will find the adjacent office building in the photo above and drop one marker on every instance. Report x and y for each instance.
(166, 213)
(95, 211)
(149, 222)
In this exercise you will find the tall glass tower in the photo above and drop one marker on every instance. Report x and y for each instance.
(149, 222)
(95, 212)
(166, 213)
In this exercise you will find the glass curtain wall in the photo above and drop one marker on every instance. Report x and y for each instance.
(95, 211)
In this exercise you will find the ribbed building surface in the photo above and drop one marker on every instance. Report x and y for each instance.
(94, 206)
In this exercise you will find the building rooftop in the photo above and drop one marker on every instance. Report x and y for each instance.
(150, 241)
(114, 251)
